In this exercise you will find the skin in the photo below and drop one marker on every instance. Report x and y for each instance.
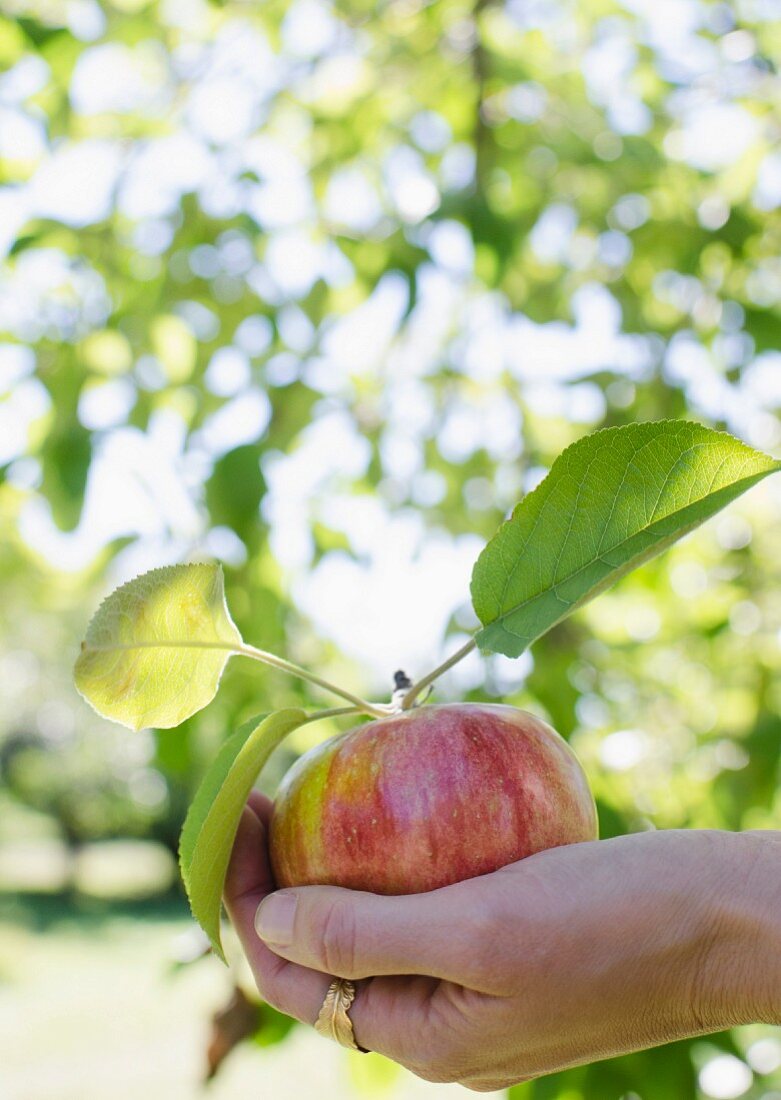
(383, 807)
(566, 957)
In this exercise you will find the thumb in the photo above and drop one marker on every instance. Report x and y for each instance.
(448, 933)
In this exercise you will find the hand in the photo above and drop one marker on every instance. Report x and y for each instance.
(569, 956)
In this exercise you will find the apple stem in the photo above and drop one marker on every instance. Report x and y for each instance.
(376, 710)
(409, 699)
(401, 685)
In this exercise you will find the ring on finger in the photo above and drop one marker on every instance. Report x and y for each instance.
(333, 1020)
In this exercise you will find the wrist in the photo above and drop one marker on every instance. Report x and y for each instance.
(740, 979)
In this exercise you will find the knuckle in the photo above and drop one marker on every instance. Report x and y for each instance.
(338, 940)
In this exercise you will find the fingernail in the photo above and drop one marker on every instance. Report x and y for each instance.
(275, 917)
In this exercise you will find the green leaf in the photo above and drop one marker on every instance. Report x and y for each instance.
(272, 1027)
(213, 818)
(611, 501)
(235, 489)
(155, 649)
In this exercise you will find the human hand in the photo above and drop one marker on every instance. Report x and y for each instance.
(569, 956)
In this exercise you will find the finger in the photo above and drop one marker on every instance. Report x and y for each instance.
(292, 989)
(249, 870)
(389, 1014)
(392, 1016)
(445, 933)
(262, 805)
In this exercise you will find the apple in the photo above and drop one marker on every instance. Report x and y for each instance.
(431, 796)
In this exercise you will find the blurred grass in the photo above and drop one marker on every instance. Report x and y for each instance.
(85, 982)
(90, 982)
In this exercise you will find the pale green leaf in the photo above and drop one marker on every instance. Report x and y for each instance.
(611, 501)
(213, 818)
(156, 648)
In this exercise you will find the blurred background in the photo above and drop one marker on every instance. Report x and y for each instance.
(320, 290)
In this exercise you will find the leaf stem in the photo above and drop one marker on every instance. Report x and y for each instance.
(376, 710)
(333, 712)
(409, 699)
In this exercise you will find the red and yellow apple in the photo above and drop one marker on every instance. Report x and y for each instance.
(428, 797)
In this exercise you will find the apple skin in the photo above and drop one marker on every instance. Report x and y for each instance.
(426, 798)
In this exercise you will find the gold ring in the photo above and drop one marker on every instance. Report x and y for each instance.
(333, 1021)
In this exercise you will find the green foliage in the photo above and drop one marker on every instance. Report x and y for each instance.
(273, 1026)
(156, 648)
(211, 823)
(610, 502)
(659, 1079)
(470, 130)
(234, 492)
